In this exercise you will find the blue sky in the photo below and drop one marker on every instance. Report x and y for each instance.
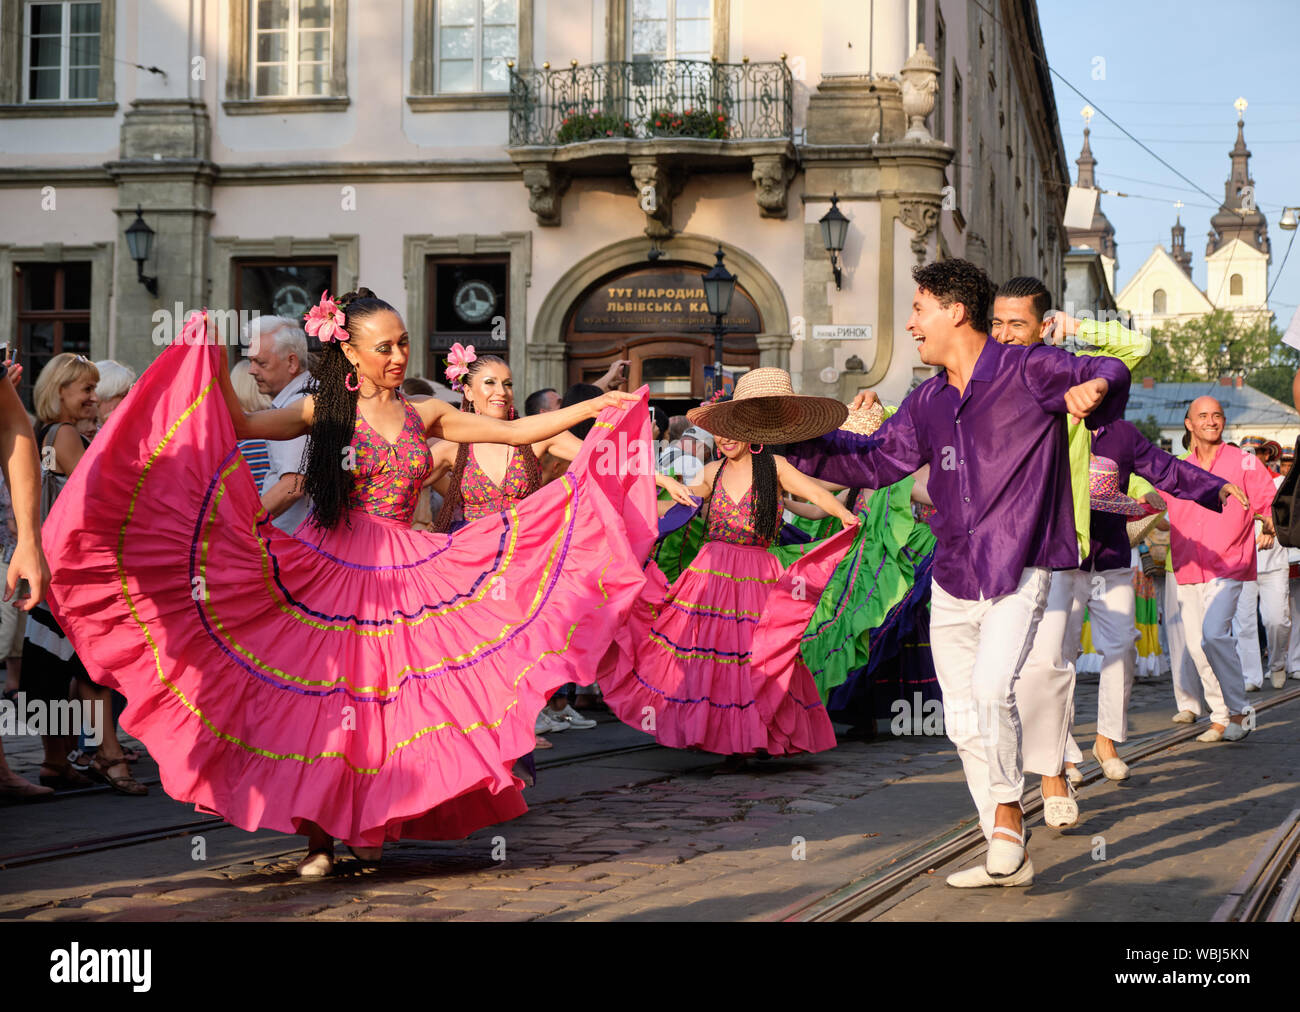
(1171, 73)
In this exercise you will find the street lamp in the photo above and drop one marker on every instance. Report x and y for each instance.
(719, 287)
(835, 227)
(139, 242)
(1288, 221)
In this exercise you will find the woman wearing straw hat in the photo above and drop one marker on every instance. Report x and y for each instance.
(712, 662)
(855, 645)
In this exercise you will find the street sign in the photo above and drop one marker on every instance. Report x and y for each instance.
(851, 332)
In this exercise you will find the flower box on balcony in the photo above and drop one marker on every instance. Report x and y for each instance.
(591, 126)
(689, 123)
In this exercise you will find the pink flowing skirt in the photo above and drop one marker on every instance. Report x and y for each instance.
(378, 681)
(712, 663)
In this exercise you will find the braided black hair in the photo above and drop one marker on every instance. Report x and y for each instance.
(765, 506)
(453, 500)
(325, 480)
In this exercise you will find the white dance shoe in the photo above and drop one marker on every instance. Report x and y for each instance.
(1009, 852)
(1115, 769)
(1234, 732)
(1073, 775)
(1061, 813)
(1184, 717)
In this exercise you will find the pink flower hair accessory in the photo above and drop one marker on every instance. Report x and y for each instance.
(326, 320)
(458, 360)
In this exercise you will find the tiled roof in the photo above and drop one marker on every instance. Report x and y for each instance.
(1242, 405)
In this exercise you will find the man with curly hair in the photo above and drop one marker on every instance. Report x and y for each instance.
(990, 427)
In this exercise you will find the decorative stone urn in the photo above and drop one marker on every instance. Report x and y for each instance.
(920, 85)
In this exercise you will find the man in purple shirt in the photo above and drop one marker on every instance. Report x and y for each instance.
(1104, 584)
(990, 427)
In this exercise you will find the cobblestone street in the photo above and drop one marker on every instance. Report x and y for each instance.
(658, 835)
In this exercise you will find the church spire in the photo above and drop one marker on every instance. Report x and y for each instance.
(1238, 216)
(1178, 251)
(1087, 164)
(1100, 235)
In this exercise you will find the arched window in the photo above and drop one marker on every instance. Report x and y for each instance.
(1158, 302)
(1234, 285)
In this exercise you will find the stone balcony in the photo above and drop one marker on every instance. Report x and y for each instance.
(657, 121)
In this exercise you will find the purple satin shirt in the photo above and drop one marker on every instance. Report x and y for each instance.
(999, 466)
(1135, 454)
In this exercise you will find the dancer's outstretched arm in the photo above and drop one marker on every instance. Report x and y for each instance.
(794, 480)
(288, 422)
(442, 420)
(22, 471)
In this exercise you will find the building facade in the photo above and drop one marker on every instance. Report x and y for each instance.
(544, 179)
(1237, 256)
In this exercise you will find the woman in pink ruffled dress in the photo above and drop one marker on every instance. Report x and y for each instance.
(712, 662)
(358, 679)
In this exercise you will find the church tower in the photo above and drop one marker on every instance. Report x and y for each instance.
(1178, 248)
(1237, 254)
(1100, 235)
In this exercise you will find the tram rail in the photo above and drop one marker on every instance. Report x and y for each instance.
(1269, 890)
(879, 887)
(152, 834)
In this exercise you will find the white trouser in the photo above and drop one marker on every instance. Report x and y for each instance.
(978, 649)
(1112, 613)
(1245, 628)
(1208, 609)
(1045, 689)
(1293, 653)
(1187, 681)
(1275, 610)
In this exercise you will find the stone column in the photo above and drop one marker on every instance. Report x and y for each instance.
(166, 170)
(546, 366)
(774, 350)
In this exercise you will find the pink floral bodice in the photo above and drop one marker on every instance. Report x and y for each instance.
(481, 497)
(387, 476)
(731, 521)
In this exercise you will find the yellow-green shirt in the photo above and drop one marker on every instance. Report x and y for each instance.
(1130, 347)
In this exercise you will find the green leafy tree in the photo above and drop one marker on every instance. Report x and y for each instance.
(1214, 345)
(1150, 428)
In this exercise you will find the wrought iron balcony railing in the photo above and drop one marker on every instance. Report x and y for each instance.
(644, 99)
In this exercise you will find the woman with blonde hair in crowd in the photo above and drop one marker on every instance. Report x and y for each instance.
(64, 395)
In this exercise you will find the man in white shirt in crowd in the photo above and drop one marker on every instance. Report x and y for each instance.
(278, 362)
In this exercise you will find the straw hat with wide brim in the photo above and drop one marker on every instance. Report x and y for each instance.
(765, 409)
(866, 420)
(1140, 527)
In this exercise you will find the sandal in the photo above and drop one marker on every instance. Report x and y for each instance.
(99, 767)
(65, 775)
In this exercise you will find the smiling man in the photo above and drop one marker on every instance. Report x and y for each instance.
(1022, 315)
(990, 426)
(1213, 554)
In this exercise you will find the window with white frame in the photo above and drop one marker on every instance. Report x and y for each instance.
(61, 58)
(291, 42)
(475, 38)
(671, 30)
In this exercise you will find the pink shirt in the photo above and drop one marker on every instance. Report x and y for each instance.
(1205, 544)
